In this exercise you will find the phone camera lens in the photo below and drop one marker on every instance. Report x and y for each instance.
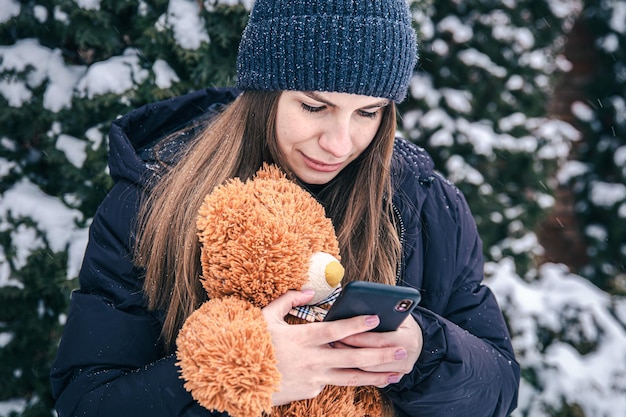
(403, 305)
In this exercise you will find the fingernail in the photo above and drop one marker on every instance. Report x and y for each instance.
(399, 354)
(372, 321)
(393, 379)
(308, 292)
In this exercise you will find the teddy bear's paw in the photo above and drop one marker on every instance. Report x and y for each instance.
(336, 401)
(227, 358)
(333, 401)
(372, 402)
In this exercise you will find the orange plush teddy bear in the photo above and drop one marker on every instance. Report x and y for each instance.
(259, 239)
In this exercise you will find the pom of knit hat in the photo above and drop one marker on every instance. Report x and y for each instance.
(365, 47)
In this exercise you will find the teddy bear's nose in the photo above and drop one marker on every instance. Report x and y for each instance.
(334, 273)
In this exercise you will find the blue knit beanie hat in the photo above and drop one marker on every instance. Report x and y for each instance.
(365, 47)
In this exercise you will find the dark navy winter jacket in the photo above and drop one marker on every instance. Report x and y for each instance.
(110, 362)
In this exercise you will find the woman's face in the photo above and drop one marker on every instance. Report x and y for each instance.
(320, 133)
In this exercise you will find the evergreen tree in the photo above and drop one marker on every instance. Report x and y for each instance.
(59, 92)
(479, 104)
(597, 174)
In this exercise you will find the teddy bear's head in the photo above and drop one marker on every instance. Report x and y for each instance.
(265, 236)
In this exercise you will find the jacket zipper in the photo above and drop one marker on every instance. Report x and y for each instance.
(402, 231)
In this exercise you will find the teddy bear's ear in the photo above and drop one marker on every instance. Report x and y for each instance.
(269, 171)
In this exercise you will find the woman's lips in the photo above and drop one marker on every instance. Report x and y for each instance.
(321, 166)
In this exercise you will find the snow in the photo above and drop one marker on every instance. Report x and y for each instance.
(564, 8)
(53, 218)
(165, 76)
(582, 111)
(618, 17)
(619, 104)
(458, 100)
(26, 241)
(88, 4)
(436, 118)
(184, 20)
(563, 64)
(16, 406)
(116, 75)
(8, 10)
(5, 339)
(73, 148)
(462, 171)
(422, 88)
(95, 136)
(556, 134)
(604, 194)
(6, 166)
(8, 144)
(562, 302)
(521, 38)
(515, 82)
(534, 59)
(440, 47)
(41, 13)
(48, 66)
(597, 232)
(442, 138)
(474, 58)
(510, 122)
(460, 33)
(210, 4)
(560, 135)
(60, 15)
(5, 274)
(484, 140)
(620, 157)
(609, 43)
(570, 170)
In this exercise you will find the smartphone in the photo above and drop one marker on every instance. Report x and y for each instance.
(392, 304)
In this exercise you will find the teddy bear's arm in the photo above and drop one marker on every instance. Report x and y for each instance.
(227, 358)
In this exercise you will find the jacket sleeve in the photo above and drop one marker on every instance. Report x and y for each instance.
(110, 361)
(467, 366)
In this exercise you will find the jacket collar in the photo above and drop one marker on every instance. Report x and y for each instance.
(132, 135)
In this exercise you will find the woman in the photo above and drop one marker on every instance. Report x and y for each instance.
(317, 87)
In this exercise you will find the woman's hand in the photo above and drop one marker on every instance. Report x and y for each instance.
(308, 362)
(408, 340)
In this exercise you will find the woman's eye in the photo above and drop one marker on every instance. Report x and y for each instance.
(369, 114)
(312, 109)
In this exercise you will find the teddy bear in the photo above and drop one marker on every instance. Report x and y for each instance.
(259, 239)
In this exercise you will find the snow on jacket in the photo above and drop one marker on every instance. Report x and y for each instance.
(110, 362)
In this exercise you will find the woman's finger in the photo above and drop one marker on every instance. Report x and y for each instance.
(357, 377)
(279, 308)
(363, 358)
(332, 331)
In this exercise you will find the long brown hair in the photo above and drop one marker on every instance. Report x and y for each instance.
(235, 144)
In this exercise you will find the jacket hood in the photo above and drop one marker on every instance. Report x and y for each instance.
(144, 126)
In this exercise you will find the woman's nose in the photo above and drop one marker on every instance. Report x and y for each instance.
(336, 139)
